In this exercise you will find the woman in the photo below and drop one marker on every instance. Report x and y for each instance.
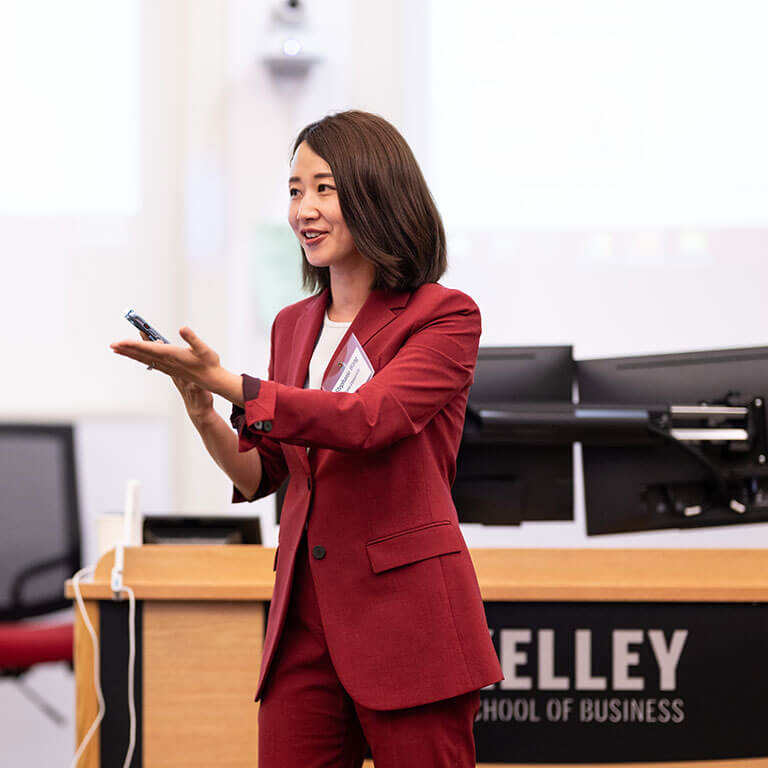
(376, 629)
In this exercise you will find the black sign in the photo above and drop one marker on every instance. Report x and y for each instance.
(626, 682)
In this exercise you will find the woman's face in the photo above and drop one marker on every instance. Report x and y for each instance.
(314, 212)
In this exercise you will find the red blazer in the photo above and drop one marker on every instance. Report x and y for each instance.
(397, 591)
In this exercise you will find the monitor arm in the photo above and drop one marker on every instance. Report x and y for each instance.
(728, 439)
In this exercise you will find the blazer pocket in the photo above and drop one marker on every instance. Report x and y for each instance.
(413, 545)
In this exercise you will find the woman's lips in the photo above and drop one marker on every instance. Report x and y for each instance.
(311, 242)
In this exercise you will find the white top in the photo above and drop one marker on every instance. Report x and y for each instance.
(329, 339)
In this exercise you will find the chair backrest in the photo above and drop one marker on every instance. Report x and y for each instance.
(39, 519)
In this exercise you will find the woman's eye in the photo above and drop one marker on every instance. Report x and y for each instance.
(323, 187)
(292, 192)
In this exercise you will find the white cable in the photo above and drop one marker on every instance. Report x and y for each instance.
(96, 671)
(131, 666)
(117, 586)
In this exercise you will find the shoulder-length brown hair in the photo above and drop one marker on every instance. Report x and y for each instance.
(384, 200)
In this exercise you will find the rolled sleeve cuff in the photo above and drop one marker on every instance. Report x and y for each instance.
(259, 398)
(251, 387)
(255, 420)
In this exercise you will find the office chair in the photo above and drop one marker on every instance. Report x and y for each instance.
(39, 548)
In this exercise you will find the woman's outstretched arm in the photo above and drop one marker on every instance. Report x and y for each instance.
(434, 365)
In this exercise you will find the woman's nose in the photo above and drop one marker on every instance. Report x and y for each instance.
(306, 210)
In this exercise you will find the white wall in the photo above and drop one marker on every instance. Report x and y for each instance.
(209, 246)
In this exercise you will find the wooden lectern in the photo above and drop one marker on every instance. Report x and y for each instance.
(200, 627)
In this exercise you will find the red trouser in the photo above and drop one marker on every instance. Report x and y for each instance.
(308, 720)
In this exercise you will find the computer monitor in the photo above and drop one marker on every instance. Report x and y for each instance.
(40, 542)
(661, 482)
(202, 529)
(523, 375)
(501, 478)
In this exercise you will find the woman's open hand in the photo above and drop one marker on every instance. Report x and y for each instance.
(196, 364)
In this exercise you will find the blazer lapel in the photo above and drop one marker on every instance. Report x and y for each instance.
(380, 309)
(305, 335)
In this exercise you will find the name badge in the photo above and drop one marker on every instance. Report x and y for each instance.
(350, 369)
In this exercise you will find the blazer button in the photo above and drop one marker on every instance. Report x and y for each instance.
(258, 424)
(318, 552)
(267, 426)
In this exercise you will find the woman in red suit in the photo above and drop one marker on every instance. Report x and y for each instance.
(376, 628)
